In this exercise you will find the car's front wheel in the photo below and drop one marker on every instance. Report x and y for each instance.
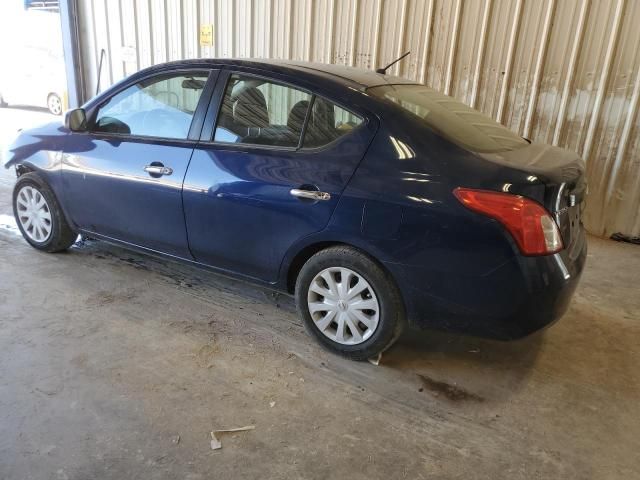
(349, 303)
(39, 216)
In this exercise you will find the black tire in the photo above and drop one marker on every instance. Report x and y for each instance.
(61, 236)
(391, 320)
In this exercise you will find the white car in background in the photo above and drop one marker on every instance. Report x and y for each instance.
(37, 79)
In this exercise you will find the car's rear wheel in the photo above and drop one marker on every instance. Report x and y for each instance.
(54, 104)
(39, 216)
(349, 303)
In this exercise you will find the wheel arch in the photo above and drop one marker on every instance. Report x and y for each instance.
(300, 258)
(22, 168)
(293, 267)
(61, 235)
(42, 174)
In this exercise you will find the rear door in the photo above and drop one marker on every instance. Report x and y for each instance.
(123, 178)
(269, 173)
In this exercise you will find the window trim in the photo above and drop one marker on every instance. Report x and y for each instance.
(212, 140)
(197, 118)
(303, 132)
(215, 107)
(365, 121)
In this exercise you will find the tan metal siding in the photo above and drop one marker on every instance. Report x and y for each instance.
(565, 72)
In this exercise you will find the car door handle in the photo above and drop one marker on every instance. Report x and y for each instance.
(158, 170)
(310, 194)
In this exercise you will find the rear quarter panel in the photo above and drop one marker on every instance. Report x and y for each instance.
(399, 207)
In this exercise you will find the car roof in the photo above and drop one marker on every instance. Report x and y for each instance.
(358, 78)
(364, 78)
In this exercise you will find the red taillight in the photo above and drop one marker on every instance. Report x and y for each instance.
(533, 229)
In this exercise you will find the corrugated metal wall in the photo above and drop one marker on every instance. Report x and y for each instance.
(565, 72)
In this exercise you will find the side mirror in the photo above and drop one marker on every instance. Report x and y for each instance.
(76, 120)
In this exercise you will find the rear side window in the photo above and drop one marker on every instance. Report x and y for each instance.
(158, 107)
(327, 123)
(259, 112)
(454, 120)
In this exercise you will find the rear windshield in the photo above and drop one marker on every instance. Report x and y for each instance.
(452, 119)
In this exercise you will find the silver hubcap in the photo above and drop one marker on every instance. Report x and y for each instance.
(33, 214)
(343, 305)
(55, 106)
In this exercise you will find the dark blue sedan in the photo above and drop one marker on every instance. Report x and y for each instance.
(374, 200)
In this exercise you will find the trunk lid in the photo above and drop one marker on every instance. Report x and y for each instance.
(562, 172)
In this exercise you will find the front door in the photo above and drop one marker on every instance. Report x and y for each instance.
(258, 186)
(123, 178)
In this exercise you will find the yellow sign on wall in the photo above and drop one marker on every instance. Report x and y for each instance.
(206, 35)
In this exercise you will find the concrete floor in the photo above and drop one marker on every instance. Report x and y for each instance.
(116, 365)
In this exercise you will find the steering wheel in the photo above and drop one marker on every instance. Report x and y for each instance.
(169, 95)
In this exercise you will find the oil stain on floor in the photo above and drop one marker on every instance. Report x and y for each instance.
(450, 392)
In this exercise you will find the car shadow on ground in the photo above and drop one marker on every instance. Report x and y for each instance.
(486, 351)
(451, 367)
(463, 367)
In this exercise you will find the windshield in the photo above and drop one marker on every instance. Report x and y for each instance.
(454, 120)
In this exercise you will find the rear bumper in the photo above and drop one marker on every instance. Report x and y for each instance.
(519, 297)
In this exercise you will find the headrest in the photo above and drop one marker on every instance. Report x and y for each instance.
(297, 115)
(250, 109)
(323, 114)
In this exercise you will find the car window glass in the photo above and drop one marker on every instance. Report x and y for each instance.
(256, 111)
(454, 120)
(327, 123)
(158, 107)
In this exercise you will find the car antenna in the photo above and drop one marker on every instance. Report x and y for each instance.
(102, 54)
(384, 70)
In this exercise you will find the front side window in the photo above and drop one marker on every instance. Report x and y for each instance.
(259, 112)
(327, 123)
(454, 120)
(157, 107)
